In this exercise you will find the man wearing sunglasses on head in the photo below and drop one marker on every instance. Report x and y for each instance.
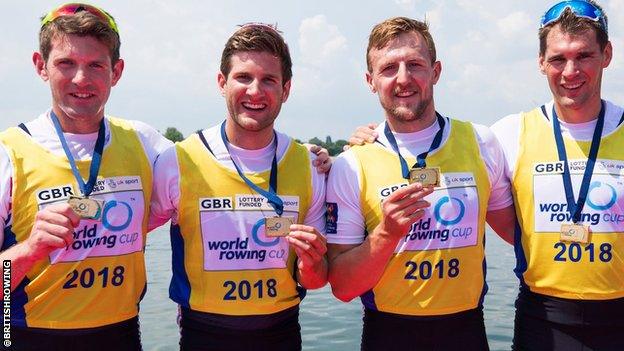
(74, 201)
(564, 162)
(247, 208)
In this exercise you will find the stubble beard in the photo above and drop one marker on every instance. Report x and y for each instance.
(409, 114)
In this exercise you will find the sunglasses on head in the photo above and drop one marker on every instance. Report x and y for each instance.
(580, 8)
(74, 8)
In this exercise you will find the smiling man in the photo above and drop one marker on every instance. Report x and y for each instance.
(75, 186)
(247, 209)
(410, 242)
(565, 160)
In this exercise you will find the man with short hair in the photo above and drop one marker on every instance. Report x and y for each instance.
(410, 242)
(247, 210)
(74, 211)
(564, 162)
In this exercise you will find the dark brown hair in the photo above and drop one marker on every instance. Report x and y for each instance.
(259, 38)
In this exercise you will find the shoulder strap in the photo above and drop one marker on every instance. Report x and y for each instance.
(204, 141)
(544, 112)
(23, 127)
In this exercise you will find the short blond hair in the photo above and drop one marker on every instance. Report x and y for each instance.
(391, 28)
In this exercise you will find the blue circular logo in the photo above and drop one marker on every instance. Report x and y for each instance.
(596, 185)
(254, 235)
(105, 216)
(444, 221)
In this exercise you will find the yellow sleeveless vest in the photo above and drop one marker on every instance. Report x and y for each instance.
(592, 271)
(100, 278)
(439, 266)
(222, 261)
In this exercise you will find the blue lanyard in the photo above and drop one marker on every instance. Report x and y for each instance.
(271, 194)
(575, 207)
(420, 159)
(96, 160)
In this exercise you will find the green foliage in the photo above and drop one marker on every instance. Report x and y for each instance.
(173, 134)
(333, 147)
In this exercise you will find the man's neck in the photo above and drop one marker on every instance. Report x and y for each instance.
(586, 113)
(74, 126)
(246, 139)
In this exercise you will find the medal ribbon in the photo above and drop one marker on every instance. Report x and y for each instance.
(96, 160)
(420, 159)
(575, 207)
(271, 194)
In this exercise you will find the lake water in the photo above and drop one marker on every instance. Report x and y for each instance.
(326, 323)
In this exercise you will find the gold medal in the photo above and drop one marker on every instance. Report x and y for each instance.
(85, 207)
(277, 226)
(575, 233)
(428, 176)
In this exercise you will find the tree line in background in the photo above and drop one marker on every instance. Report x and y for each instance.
(333, 147)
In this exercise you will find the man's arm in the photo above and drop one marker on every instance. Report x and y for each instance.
(355, 269)
(503, 222)
(53, 229)
(165, 189)
(308, 240)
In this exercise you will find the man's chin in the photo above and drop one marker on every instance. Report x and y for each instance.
(253, 124)
(404, 114)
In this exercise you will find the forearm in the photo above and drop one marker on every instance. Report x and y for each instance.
(358, 270)
(314, 277)
(22, 260)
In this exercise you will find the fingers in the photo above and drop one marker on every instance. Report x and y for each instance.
(65, 210)
(356, 140)
(53, 235)
(404, 207)
(409, 193)
(313, 148)
(47, 216)
(309, 245)
(53, 228)
(367, 133)
(323, 165)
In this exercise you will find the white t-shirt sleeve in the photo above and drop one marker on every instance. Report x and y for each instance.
(507, 131)
(315, 216)
(6, 172)
(153, 142)
(494, 158)
(166, 189)
(345, 222)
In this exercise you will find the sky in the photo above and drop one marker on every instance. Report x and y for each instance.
(172, 49)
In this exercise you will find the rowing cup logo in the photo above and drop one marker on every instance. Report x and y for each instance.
(113, 212)
(453, 205)
(599, 192)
